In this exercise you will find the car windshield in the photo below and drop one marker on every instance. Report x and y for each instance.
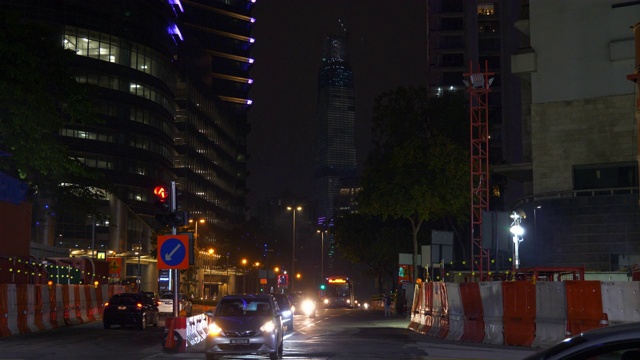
(166, 296)
(241, 307)
(123, 300)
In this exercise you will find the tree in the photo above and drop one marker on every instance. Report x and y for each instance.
(369, 240)
(415, 172)
(39, 97)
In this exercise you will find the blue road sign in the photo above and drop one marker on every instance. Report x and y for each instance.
(173, 252)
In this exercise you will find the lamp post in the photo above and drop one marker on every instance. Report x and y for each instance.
(137, 250)
(322, 256)
(293, 253)
(517, 232)
(198, 260)
(244, 275)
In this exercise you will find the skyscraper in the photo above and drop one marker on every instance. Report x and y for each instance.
(335, 131)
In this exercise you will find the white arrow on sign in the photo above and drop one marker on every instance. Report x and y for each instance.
(168, 256)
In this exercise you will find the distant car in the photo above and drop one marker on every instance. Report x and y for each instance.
(287, 311)
(303, 304)
(166, 303)
(134, 309)
(621, 342)
(245, 324)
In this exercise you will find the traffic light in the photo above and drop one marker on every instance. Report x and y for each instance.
(163, 205)
(178, 218)
(323, 286)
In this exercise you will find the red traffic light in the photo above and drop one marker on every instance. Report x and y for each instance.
(161, 192)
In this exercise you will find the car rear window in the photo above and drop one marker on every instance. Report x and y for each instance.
(123, 300)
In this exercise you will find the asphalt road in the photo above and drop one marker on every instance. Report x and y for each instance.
(336, 334)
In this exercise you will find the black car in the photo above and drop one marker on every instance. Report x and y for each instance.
(286, 310)
(135, 309)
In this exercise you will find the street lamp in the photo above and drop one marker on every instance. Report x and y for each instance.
(321, 255)
(293, 253)
(137, 250)
(244, 275)
(517, 230)
(198, 260)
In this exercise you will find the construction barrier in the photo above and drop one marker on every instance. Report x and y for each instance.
(196, 331)
(456, 312)
(519, 309)
(521, 313)
(551, 313)
(37, 307)
(584, 306)
(473, 313)
(492, 308)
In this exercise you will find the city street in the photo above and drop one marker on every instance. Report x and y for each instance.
(335, 334)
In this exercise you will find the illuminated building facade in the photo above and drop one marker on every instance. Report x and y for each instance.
(172, 88)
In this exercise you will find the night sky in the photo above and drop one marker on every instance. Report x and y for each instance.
(387, 49)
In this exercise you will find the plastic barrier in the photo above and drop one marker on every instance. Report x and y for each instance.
(196, 329)
(425, 320)
(12, 306)
(473, 313)
(414, 322)
(45, 306)
(519, 312)
(4, 311)
(491, 294)
(551, 313)
(78, 305)
(456, 312)
(59, 308)
(584, 306)
(22, 305)
(435, 311)
(621, 301)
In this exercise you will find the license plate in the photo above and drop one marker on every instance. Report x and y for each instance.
(239, 341)
(122, 308)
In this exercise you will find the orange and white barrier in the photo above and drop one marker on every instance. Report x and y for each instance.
(32, 308)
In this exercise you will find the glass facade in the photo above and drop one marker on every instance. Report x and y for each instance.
(162, 122)
(335, 138)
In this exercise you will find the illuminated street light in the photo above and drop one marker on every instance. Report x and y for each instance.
(517, 230)
(322, 255)
(293, 253)
(244, 275)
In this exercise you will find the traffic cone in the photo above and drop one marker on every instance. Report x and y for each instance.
(169, 341)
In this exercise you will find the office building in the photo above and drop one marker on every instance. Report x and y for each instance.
(335, 126)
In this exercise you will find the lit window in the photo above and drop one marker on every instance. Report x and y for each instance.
(486, 9)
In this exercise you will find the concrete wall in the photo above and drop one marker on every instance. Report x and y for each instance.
(579, 132)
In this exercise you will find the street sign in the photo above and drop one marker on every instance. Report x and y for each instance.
(173, 252)
(283, 281)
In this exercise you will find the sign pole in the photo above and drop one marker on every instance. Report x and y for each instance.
(176, 272)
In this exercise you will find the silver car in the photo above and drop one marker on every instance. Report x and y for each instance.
(620, 342)
(245, 324)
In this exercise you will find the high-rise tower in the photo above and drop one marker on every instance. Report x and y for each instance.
(335, 130)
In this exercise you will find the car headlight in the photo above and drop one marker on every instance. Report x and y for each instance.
(213, 329)
(326, 301)
(268, 327)
(308, 306)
